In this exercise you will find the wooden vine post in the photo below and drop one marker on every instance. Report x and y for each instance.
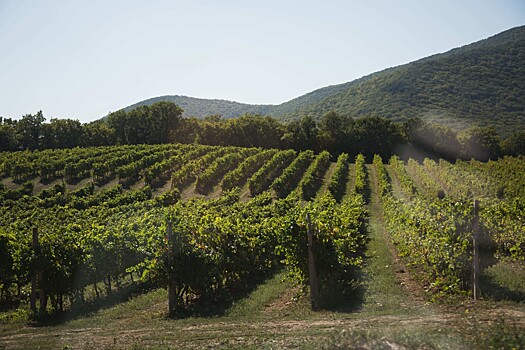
(312, 271)
(475, 252)
(172, 288)
(34, 274)
(37, 277)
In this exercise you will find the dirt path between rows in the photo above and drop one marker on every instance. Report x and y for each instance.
(413, 290)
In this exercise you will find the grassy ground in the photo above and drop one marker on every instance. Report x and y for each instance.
(326, 179)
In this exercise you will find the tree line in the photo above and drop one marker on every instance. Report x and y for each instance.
(162, 122)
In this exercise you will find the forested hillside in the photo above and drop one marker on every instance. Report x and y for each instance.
(482, 83)
(479, 84)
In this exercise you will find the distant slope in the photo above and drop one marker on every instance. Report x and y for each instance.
(199, 107)
(481, 83)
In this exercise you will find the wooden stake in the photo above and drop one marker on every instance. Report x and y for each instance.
(475, 252)
(312, 271)
(34, 274)
(42, 292)
(172, 288)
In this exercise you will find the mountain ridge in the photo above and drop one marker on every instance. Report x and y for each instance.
(482, 83)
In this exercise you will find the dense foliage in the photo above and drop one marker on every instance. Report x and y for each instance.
(213, 174)
(334, 132)
(270, 171)
(499, 186)
(238, 176)
(360, 184)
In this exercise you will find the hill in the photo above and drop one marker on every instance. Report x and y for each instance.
(200, 107)
(482, 83)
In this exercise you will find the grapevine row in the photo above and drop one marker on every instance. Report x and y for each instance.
(337, 185)
(269, 171)
(188, 172)
(433, 235)
(214, 173)
(287, 181)
(238, 176)
(312, 180)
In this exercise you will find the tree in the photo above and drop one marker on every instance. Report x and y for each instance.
(62, 133)
(481, 143)
(98, 133)
(117, 122)
(29, 128)
(188, 131)
(68, 132)
(9, 140)
(515, 144)
(301, 134)
(437, 139)
(336, 133)
(146, 124)
(164, 118)
(375, 135)
(255, 131)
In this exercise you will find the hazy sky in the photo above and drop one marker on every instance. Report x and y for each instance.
(83, 59)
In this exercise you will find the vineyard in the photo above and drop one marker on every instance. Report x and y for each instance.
(82, 224)
(112, 226)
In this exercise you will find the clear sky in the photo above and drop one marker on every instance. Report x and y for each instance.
(82, 59)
